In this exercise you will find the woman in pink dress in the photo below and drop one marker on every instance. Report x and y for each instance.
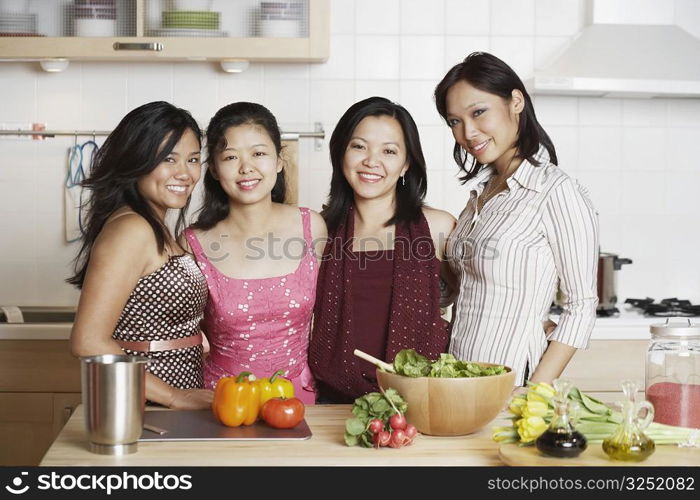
(259, 256)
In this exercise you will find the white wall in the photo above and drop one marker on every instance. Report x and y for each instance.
(636, 156)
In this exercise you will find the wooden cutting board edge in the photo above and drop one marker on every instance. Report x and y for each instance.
(664, 456)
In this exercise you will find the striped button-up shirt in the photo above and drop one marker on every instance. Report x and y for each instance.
(539, 234)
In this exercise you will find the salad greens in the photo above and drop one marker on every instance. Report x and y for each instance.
(411, 364)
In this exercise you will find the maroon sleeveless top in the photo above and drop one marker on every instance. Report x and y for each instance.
(393, 304)
(371, 304)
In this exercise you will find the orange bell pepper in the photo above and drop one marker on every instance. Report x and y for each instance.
(275, 386)
(236, 400)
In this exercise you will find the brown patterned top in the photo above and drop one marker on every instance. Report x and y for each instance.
(168, 304)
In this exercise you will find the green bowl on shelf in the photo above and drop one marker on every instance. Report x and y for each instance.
(190, 19)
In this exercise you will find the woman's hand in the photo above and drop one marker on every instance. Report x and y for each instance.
(191, 399)
(519, 390)
(548, 326)
(516, 391)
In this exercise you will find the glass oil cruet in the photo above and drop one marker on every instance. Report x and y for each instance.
(561, 439)
(629, 442)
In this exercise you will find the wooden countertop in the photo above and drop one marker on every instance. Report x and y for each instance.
(326, 447)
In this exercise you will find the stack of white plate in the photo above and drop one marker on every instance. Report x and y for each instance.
(95, 17)
(13, 24)
(281, 19)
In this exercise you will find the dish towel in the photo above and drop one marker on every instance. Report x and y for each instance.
(290, 155)
(79, 161)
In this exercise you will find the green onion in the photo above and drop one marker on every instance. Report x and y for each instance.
(532, 412)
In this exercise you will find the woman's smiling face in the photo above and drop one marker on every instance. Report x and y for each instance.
(375, 157)
(170, 184)
(247, 168)
(484, 124)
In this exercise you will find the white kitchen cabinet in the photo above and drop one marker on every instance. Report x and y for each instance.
(141, 39)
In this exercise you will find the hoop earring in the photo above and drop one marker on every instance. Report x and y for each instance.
(403, 180)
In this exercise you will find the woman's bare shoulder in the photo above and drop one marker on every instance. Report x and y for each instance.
(128, 236)
(439, 221)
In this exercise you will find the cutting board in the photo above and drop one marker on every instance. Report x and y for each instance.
(200, 425)
(665, 455)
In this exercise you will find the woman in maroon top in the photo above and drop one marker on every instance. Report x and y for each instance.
(379, 282)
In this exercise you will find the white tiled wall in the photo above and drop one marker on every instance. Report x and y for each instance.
(637, 157)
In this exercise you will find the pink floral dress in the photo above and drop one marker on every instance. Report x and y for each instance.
(260, 325)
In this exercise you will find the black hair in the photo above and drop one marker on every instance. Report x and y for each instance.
(490, 74)
(140, 142)
(409, 196)
(215, 206)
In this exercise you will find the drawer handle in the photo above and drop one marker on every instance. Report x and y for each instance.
(156, 47)
(67, 412)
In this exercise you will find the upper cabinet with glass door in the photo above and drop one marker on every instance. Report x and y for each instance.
(217, 30)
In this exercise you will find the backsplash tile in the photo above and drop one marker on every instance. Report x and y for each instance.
(468, 17)
(377, 18)
(417, 20)
(558, 17)
(422, 58)
(377, 57)
(512, 17)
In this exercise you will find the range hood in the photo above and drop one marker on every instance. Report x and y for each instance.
(624, 60)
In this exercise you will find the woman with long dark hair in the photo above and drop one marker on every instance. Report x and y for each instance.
(527, 228)
(379, 284)
(259, 255)
(140, 292)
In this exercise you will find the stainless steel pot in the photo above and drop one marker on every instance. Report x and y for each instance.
(608, 265)
(114, 397)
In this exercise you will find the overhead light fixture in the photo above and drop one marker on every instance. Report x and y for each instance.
(54, 65)
(234, 65)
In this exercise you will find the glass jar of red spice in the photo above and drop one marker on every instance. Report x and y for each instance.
(673, 372)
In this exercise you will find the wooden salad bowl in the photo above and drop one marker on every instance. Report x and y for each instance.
(451, 406)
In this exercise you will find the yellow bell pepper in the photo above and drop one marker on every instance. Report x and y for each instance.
(275, 386)
(237, 400)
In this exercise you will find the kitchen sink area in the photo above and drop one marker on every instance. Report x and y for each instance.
(36, 322)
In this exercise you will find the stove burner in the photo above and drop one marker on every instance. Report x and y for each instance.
(666, 308)
(556, 310)
(607, 313)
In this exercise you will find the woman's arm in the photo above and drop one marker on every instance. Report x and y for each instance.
(571, 227)
(319, 233)
(117, 261)
(553, 362)
(441, 225)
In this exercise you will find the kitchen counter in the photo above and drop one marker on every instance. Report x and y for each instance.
(35, 331)
(326, 447)
(630, 324)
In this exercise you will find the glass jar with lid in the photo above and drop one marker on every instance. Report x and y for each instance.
(673, 372)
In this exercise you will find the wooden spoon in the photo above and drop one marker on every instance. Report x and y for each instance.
(376, 362)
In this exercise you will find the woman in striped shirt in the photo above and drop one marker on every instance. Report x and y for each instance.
(527, 228)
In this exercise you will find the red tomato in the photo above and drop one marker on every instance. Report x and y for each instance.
(282, 413)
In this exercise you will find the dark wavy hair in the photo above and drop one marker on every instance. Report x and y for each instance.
(409, 197)
(488, 73)
(215, 206)
(140, 142)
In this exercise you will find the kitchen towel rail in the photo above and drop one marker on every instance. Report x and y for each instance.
(318, 134)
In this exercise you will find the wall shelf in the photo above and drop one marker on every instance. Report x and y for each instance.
(313, 47)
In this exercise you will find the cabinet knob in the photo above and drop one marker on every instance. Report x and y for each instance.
(67, 412)
(155, 47)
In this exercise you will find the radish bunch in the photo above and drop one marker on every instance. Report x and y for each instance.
(379, 420)
(395, 433)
